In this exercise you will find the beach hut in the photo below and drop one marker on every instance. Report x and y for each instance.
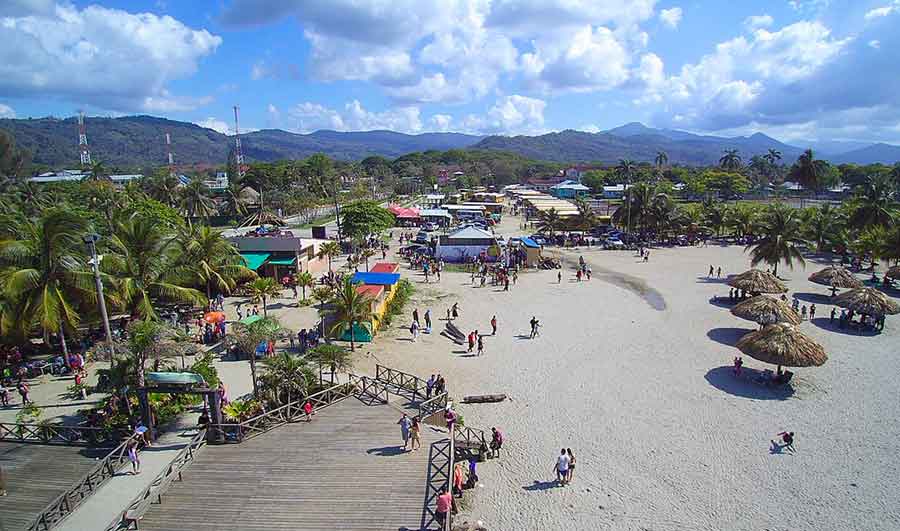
(867, 301)
(766, 310)
(755, 282)
(467, 243)
(836, 277)
(532, 252)
(782, 344)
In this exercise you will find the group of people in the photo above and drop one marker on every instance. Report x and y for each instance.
(415, 327)
(584, 271)
(410, 431)
(802, 310)
(713, 271)
(435, 385)
(565, 467)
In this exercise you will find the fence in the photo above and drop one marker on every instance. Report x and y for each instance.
(468, 439)
(130, 517)
(432, 405)
(67, 502)
(401, 381)
(59, 434)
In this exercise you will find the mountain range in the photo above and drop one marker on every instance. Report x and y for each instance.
(138, 142)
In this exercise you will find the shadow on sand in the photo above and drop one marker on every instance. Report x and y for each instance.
(727, 336)
(541, 485)
(721, 302)
(711, 280)
(825, 324)
(814, 298)
(723, 379)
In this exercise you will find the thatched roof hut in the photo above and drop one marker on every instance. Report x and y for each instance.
(766, 310)
(836, 277)
(756, 281)
(893, 272)
(782, 344)
(867, 301)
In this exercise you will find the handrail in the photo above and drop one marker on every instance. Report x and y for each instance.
(58, 434)
(402, 380)
(468, 435)
(433, 405)
(66, 503)
(160, 483)
(447, 523)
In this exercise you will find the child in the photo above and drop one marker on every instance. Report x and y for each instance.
(133, 457)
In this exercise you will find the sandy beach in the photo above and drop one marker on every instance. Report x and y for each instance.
(632, 370)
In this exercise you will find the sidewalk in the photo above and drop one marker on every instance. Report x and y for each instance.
(106, 504)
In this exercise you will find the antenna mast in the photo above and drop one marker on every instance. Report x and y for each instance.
(169, 152)
(82, 141)
(238, 155)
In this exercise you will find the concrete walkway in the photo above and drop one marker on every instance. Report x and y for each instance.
(106, 504)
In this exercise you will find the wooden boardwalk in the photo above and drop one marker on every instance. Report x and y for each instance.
(342, 471)
(36, 475)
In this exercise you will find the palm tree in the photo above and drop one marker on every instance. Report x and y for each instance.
(248, 337)
(349, 308)
(143, 337)
(773, 156)
(874, 203)
(808, 171)
(890, 244)
(661, 160)
(730, 160)
(742, 219)
(365, 254)
(212, 259)
(625, 171)
(163, 186)
(286, 375)
(235, 202)
(549, 222)
(586, 218)
(337, 358)
(822, 226)
(305, 280)
(780, 238)
(44, 274)
(97, 172)
(715, 216)
(330, 250)
(195, 201)
(261, 289)
(871, 243)
(141, 262)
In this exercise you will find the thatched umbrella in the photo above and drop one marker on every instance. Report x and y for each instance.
(893, 272)
(867, 301)
(766, 310)
(782, 344)
(836, 277)
(755, 282)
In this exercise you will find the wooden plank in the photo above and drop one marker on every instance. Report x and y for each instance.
(344, 470)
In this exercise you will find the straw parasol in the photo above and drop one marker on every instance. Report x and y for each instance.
(836, 277)
(782, 344)
(893, 272)
(766, 310)
(867, 301)
(756, 281)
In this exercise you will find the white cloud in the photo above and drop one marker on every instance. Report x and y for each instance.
(441, 122)
(883, 11)
(6, 111)
(216, 125)
(514, 114)
(755, 22)
(307, 117)
(106, 57)
(875, 43)
(671, 17)
(590, 128)
(584, 60)
(274, 116)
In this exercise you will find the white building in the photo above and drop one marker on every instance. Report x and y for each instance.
(466, 244)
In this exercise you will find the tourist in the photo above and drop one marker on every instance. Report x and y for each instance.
(308, 410)
(448, 315)
(23, 391)
(472, 480)
(133, 456)
(444, 504)
(803, 313)
(405, 423)
(496, 441)
(416, 316)
(439, 384)
(559, 277)
(534, 327)
(718, 272)
(454, 311)
(4, 394)
(240, 313)
(711, 271)
(812, 312)
(562, 467)
(787, 442)
(458, 479)
(255, 310)
(647, 259)
(515, 277)
(414, 330)
(578, 275)
(494, 325)
(471, 339)
(588, 272)
(480, 343)
(429, 387)
(415, 441)
(427, 321)
(833, 313)
(571, 474)
(738, 363)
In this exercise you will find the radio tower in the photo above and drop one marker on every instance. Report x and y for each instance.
(171, 158)
(238, 155)
(82, 141)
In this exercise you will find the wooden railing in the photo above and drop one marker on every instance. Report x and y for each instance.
(447, 523)
(60, 434)
(66, 503)
(290, 412)
(470, 438)
(135, 511)
(432, 405)
(402, 381)
(366, 387)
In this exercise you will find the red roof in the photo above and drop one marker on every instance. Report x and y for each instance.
(385, 267)
(402, 212)
(370, 290)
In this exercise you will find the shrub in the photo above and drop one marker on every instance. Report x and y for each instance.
(395, 307)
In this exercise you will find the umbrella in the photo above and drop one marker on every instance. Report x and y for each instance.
(782, 344)
(867, 301)
(836, 277)
(756, 281)
(893, 272)
(766, 310)
(214, 317)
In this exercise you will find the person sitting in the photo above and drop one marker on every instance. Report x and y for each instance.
(787, 442)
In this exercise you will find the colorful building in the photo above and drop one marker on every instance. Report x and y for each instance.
(380, 285)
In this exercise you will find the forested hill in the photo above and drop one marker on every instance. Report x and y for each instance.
(138, 141)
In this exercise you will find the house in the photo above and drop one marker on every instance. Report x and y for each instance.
(467, 243)
(78, 175)
(380, 286)
(616, 191)
(433, 200)
(569, 190)
(405, 216)
(531, 251)
(544, 184)
(277, 253)
(436, 215)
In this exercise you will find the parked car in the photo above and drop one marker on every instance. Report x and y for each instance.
(613, 243)
(430, 227)
(538, 239)
(422, 238)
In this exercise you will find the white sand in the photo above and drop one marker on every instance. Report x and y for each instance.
(662, 442)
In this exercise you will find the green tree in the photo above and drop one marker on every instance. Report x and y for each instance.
(97, 172)
(727, 184)
(585, 220)
(808, 171)
(822, 226)
(211, 259)
(163, 186)
(549, 222)
(362, 218)
(336, 358)
(730, 160)
(322, 176)
(261, 289)
(287, 377)
(873, 203)
(780, 238)
(195, 199)
(305, 280)
(247, 337)
(329, 250)
(347, 309)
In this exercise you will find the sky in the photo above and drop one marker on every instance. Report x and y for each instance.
(810, 70)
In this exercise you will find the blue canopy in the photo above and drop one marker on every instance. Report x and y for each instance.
(528, 242)
(377, 279)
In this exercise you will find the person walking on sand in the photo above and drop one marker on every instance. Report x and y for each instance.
(719, 272)
(711, 271)
(428, 321)
(308, 410)
(415, 441)
(571, 474)
(494, 325)
(405, 425)
(562, 467)
(833, 313)
(471, 341)
(534, 327)
(803, 313)
(416, 316)
(480, 343)
(23, 392)
(133, 457)
(454, 311)
(812, 312)
(414, 330)
(559, 277)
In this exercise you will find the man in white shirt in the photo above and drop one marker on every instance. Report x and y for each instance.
(562, 467)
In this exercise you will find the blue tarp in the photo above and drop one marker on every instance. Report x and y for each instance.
(377, 279)
(528, 242)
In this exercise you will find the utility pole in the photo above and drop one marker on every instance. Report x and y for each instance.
(82, 141)
(238, 154)
(171, 159)
(91, 241)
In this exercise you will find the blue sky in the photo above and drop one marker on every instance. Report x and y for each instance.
(797, 70)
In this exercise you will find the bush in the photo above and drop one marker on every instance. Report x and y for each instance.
(405, 290)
